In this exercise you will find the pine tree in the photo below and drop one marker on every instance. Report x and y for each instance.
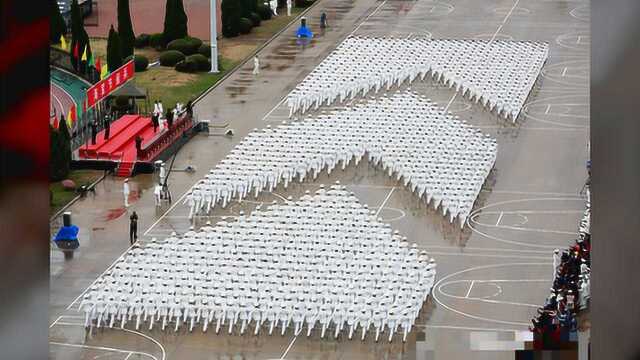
(125, 29)
(57, 26)
(80, 37)
(114, 54)
(231, 14)
(175, 21)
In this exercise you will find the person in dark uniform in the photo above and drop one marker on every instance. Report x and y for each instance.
(138, 145)
(107, 126)
(133, 228)
(190, 109)
(169, 118)
(155, 122)
(94, 132)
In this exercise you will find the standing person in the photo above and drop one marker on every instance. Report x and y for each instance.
(154, 122)
(556, 262)
(169, 118)
(133, 228)
(126, 191)
(288, 7)
(155, 107)
(163, 174)
(256, 65)
(157, 194)
(94, 132)
(160, 108)
(323, 20)
(138, 145)
(190, 109)
(107, 126)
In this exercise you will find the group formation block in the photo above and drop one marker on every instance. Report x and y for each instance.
(443, 160)
(324, 262)
(498, 73)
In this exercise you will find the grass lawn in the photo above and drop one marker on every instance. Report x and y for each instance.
(170, 86)
(61, 196)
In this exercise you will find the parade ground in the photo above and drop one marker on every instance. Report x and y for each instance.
(491, 276)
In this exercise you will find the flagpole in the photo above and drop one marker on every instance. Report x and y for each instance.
(214, 37)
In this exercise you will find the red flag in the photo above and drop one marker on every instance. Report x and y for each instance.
(98, 67)
(56, 124)
(72, 112)
(75, 51)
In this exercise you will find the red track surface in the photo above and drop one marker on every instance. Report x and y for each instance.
(60, 101)
(148, 17)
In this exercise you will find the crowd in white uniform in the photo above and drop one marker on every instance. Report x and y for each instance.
(498, 73)
(441, 159)
(323, 262)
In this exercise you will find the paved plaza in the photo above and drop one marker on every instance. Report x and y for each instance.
(491, 275)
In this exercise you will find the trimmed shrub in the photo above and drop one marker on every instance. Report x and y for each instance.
(171, 58)
(187, 66)
(141, 63)
(205, 49)
(156, 41)
(231, 13)
(142, 41)
(255, 19)
(264, 11)
(194, 43)
(114, 54)
(245, 25)
(201, 62)
(180, 45)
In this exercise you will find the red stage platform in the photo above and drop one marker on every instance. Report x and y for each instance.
(121, 145)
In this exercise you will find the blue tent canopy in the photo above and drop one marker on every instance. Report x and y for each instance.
(304, 31)
(67, 233)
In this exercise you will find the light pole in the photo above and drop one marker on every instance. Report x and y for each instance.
(214, 40)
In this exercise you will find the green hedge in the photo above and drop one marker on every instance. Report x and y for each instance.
(156, 41)
(187, 66)
(264, 11)
(245, 25)
(205, 49)
(255, 19)
(187, 46)
(171, 58)
(201, 61)
(141, 63)
(142, 41)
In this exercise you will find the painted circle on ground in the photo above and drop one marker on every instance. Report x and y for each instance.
(437, 286)
(579, 41)
(553, 110)
(572, 73)
(434, 8)
(497, 292)
(486, 233)
(504, 11)
(582, 12)
(493, 36)
(389, 214)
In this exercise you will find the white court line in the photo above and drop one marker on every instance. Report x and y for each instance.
(103, 348)
(55, 321)
(275, 107)
(288, 348)
(564, 72)
(128, 356)
(527, 229)
(548, 108)
(166, 212)
(470, 287)
(504, 20)
(385, 201)
(499, 218)
(486, 249)
(436, 286)
(517, 212)
(532, 193)
(486, 255)
(58, 101)
(367, 18)
(450, 101)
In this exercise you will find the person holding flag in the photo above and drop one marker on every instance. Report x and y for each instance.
(63, 43)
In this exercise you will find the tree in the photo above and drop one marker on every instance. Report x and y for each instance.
(60, 148)
(125, 29)
(57, 26)
(114, 54)
(231, 14)
(175, 21)
(79, 38)
(248, 7)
